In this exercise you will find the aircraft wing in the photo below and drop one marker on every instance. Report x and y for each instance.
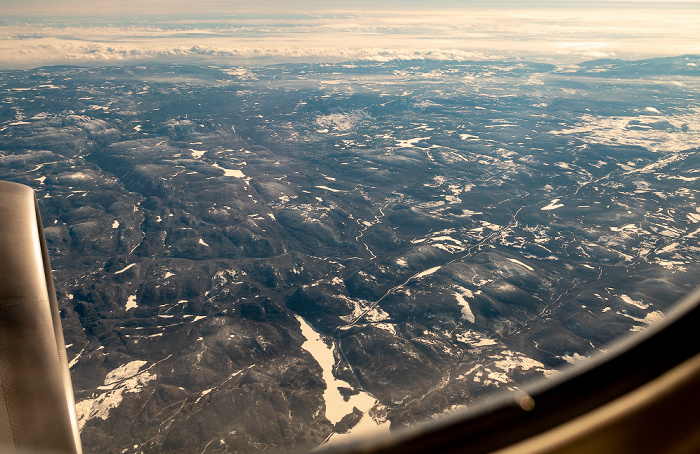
(37, 409)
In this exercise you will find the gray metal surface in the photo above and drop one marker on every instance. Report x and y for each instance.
(37, 411)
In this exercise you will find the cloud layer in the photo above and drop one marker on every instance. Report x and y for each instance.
(593, 30)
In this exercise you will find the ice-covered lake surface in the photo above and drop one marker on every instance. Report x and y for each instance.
(277, 257)
(336, 405)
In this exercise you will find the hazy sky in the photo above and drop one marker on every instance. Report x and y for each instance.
(113, 7)
(34, 32)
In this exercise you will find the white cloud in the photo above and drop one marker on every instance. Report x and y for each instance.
(596, 30)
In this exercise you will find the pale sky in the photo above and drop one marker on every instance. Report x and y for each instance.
(116, 7)
(227, 32)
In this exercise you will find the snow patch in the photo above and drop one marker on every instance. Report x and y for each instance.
(653, 317)
(426, 272)
(341, 121)
(467, 313)
(365, 427)
(409, 143)
(553, 205)
(74, 361)
(131, 303)
(522, 264)
(573, 359)
(474, 339)
(124, 379)
(230, 172)
(326, 188)
(124, 269)
(386, 327)
(636, 303)
(336, 406)
(197, 154)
